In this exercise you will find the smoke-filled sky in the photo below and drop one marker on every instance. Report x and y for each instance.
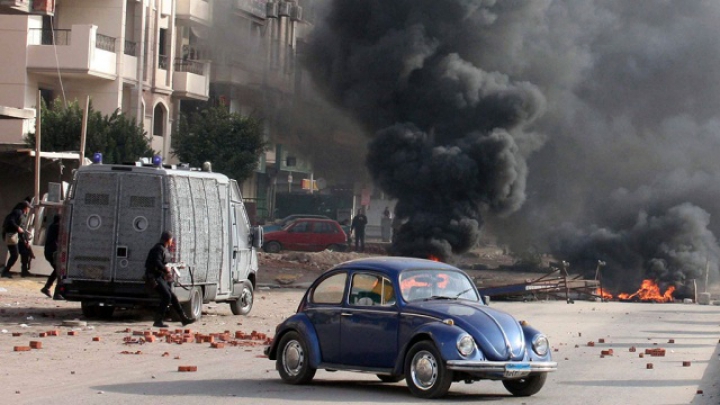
(587, 129)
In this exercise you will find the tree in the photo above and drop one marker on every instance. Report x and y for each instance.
(116, 136)
(231, 142)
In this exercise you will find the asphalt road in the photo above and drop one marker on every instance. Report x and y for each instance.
(95, 373)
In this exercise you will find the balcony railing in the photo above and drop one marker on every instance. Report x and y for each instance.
(105, 42)
(163, 62)
(190, 66)
(39, 36)
(130, 48)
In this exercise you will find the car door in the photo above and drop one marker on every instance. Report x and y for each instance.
(369, 322)
(297, 235)
(324, 309)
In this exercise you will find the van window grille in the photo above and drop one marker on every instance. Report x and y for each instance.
(97, 199)
(141, 202)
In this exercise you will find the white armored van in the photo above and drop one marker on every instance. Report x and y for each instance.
(114, 215)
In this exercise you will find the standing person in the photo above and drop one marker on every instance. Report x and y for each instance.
(358, 226)
(51, 245)
(25, 247)
(12, 230)
(157, 274)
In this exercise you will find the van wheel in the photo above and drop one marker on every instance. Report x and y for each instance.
(244, 303)
(89, 310)
(193, 307)
(272, 247)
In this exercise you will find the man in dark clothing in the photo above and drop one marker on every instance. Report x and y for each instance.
(12, 233)
(51, 245)
(24, 246)
(158, 273)
(358, 226)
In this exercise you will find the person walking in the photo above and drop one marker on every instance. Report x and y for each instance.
(358, 227)
(157, 274)
(51, 246)
(12, 230)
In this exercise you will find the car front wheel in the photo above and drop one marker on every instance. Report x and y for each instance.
(425, 373)
(244, 303)
(293, 361)
(526, 386)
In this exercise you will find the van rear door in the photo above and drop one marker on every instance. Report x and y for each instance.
(92, 229)
(139, 223)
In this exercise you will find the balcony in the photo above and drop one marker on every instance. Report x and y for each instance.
(79, 52)
(191, 79)
(38, 7)
(130, 60)
(193, 12)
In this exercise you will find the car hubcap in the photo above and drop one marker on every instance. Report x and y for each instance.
(424, 370)
(293, 358)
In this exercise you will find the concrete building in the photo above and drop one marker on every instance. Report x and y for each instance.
(156, 59)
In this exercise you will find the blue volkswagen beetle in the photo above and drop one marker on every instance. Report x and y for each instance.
(416, 319)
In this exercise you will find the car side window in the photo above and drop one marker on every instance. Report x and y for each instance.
(300, 227)
(330, 290)
(371, 290)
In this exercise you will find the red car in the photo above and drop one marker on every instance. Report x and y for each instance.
(307, 234)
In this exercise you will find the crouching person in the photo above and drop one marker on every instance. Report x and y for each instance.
(158, 274)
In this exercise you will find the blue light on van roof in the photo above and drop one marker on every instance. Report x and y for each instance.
(157, 160)
(97, 158)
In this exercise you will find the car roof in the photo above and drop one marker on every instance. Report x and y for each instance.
(298, 216)
(393, 265)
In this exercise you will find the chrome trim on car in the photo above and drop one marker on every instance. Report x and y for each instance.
(499, 366)
(434, 318)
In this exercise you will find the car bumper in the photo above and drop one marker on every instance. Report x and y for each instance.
(502, 369)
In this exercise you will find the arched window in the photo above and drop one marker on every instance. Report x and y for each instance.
(159, 120)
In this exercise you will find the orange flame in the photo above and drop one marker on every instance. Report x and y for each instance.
(649, 291)
(600, 292)
(434, 258)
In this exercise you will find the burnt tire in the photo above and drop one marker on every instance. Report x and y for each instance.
(272, 247)
(293, 359)
(244, 303)
(526, 386)
(390, 378)
(193, 307)
(425, 372)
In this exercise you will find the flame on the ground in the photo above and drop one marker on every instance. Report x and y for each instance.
(600, 292)
(649, 291)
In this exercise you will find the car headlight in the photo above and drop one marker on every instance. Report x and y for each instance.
(465, 344)
(540, 345)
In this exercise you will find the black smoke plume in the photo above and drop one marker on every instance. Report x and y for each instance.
(586, 129)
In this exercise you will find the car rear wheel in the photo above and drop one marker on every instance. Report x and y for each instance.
(336, 248)
(272, 247)
(425, 373)
(293, 361)
(244, 303)
(526, 386)
(390, 378)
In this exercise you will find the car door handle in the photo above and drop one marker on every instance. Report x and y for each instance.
(346, 314)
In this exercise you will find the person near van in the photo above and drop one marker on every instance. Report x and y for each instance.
(157, 273)
(24, 246)
(358, 226)
(12, 229)
(51, 246)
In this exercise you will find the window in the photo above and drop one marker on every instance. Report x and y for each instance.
(371, 290)
(324, 227)
(330, 290)
(300, 227)
(159, 120)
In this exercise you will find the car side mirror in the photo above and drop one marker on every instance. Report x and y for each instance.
(486, 300)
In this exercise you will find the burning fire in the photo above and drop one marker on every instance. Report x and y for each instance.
(434, 258)
(650, 291)
(600, 292)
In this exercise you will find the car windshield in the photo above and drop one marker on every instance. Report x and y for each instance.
(436, 284)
